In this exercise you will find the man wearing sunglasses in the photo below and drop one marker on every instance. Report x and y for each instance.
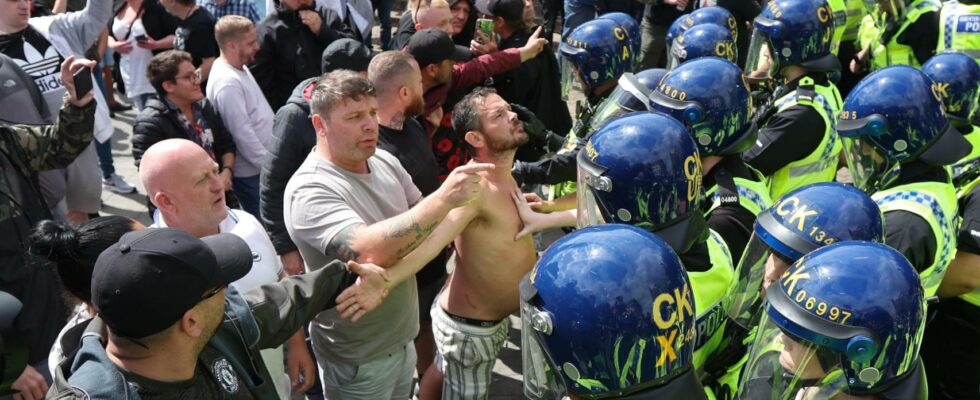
(169, 326)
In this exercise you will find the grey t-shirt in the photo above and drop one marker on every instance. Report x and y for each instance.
(321, 200)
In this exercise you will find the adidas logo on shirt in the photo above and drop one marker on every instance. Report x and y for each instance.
(43, 67)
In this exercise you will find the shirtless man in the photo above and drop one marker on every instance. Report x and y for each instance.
(482, 291)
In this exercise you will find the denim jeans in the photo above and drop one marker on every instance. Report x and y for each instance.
(104, 150)
(383, 8)
(247, 190)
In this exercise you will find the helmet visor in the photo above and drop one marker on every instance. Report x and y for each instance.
(676, 55)
(865, 163)
(589, 207)
(760, 64)
(783, 365)
(629, 96)
(541, 380)
(571, 79)
(759, 267)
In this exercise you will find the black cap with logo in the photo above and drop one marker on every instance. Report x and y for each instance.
(150, 278)
(509, 10)
(432, 46)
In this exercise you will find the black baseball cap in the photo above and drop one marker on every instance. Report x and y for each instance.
(509, 10)
(345, 53)
(145, 282)
(432, 46)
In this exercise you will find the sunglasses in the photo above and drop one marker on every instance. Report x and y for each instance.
(212, 292)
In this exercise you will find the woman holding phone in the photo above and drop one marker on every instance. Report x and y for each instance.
(140, 29)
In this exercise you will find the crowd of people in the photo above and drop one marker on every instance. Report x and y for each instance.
(678, 199)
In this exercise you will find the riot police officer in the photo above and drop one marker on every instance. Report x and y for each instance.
(713, 15)
(905, 33)
(712, 98)
(593, 57)
(957, 77)
(845, 321)
(608, 312)
(953, 36)
(897, 142)
(797, 142)
(801, 221)
(705, 40)
(952, 366)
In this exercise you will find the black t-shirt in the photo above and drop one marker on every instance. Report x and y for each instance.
(412, 149)
(214, 378)
(969, 236)
(36, 56)
(195, 35)
(787, 136)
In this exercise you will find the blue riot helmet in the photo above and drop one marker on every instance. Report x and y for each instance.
(705, 40)
(706, 15)
(632, 29)
(632, 94)
(845, 319)
(957, 78)
(802, 221)
(895, 116)
(643, 169)
(595, 53)
(711, 96)
(608, 312)
(792, 32)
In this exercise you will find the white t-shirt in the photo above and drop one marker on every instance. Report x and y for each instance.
(266, 268)
(132, 66)
(246, 113)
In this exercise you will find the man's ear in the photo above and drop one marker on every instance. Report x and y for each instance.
(319, 125)
(403, 92)
(431, 70)
(192, 322)
(475, 139)
(163, 201)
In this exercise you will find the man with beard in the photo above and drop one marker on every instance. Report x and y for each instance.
(239, 100)
(169, 326)
(470, 316)
(398, 80)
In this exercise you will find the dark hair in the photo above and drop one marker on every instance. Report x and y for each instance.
(163, 67)
(75, 248)
(466, 117)
(335, 86)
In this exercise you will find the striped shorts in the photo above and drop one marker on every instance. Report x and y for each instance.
(465, 353)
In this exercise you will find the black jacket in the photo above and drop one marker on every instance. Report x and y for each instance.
(290, 53)
(537, 86)
(292, 139)
(157, 122)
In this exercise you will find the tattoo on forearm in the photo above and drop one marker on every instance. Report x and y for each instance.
(404, 226)
(341, 245)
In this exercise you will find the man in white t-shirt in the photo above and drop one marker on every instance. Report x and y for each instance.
(241, 104)
(183, 183)
(351, 201)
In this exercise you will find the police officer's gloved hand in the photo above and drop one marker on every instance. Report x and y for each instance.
(536, 129)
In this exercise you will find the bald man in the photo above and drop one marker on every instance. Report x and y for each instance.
(183, 182)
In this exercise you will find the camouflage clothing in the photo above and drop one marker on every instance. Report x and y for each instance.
(25, 150)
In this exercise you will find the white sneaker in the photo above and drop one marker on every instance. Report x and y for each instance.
(117, 184)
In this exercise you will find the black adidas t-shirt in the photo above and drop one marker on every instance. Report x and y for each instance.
(37, 57)
(213, 379)
(195, 35)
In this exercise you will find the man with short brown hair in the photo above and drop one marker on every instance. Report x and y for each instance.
(242, 106)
